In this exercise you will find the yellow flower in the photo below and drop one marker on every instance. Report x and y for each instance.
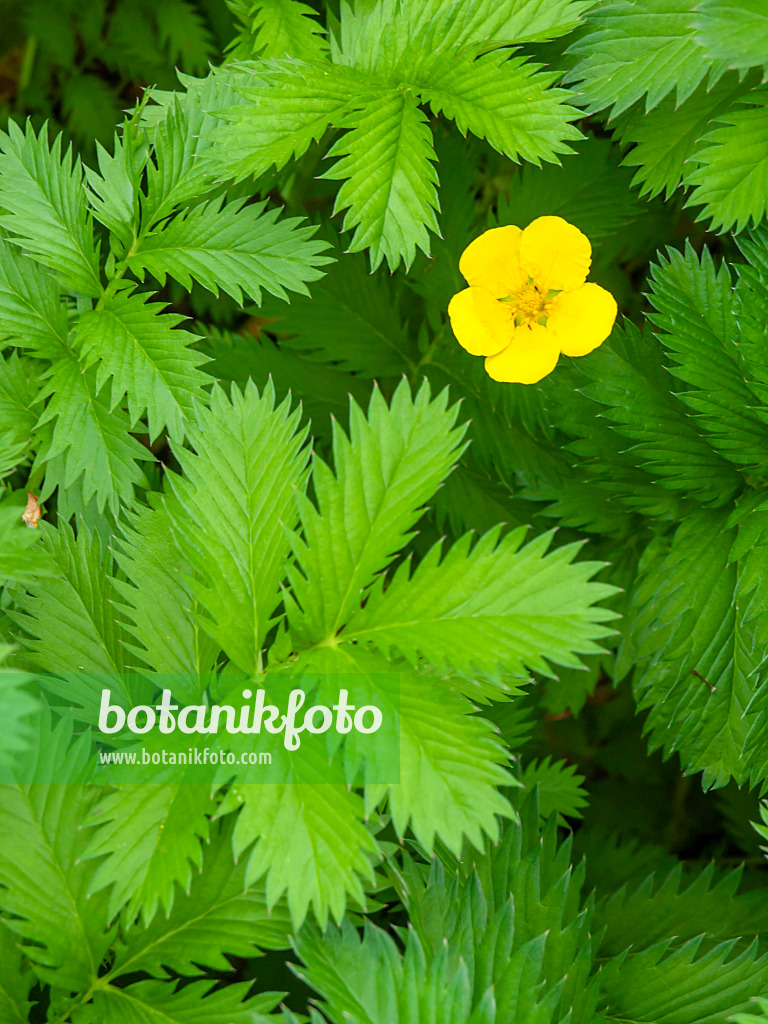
(527, 301)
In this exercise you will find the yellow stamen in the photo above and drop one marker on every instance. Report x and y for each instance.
(529, 306)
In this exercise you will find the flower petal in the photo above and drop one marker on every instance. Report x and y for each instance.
(492, 261)
(482, 324)
(532, 354)
(582, 319)
(555, 254)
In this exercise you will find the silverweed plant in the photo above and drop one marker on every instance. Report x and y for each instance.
(250, 253)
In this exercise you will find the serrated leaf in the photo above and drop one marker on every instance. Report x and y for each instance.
(694, 307)
(159, 612)
(16, 983)
(483, 24)
(42, 192)
(668, 138)
(496, 604)
(640, 915)
(31, 312)
(506, 101)
(696, 635)
(95, 440)
(282, 28)
(21, 557)
(157, 1002)
(626, 377)
(44, 883)
(688, 986)
(70, 621)
(389, 181)
(560, 788)
(639, 48)
(731, 181)
(181, 134)
(219, 914)
(453, 756)
(289, 105)
(113, 191)
(392, 464)
(233, 248)
(17, 705)
(735, 31)
(230, 512)
(147, 360)
(331, 850)
(149, 837)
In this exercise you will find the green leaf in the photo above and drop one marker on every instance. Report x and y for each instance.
(234, 248)
(94, 438)
(639, 916)
(113, 191)
(454, 757)
(176, 173)
(731, 181)
(735, 31)
(389, 190)
(159, 612)
(639, 47)
(493, 604)
(502, 930)
(393, 462)
(350, 320)
(560, 788)
(628, 379)
(219, 914)
(183, 33)
(15, 1004)
(149, 837)
(156, 1002)
(589, 190)
(366, 981)
(685, 986)
(21, 557)
(282, 28)
(48, 210)
(668, 139)
(44, 882)
(289, 105)
(148, 361)
(694, 307)
(19, 389)
(696, 635)
(506, 101)
(31, 312)
(487, 23)
(16, 706)
(760, 1012)
(230, 512)
(441, 749)
(70, 621)
(321, 824)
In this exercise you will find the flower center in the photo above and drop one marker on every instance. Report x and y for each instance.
(529, 306)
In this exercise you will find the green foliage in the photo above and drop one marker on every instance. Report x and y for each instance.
(231, 514)
(384, 60)
(557, 591)
(86, 431)
(701, 123)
